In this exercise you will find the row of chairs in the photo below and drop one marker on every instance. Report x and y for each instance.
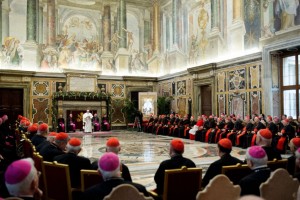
(56, 183)
(280, 185)
(191, 178)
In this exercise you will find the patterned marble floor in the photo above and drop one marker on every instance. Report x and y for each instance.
(142, 152)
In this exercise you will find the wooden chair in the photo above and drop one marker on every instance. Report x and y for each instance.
(57, 181)
(236, 172)
(276, 164)
(280, 185)
(25, 148)
(38, 163)
(89, 178)
(181, 183)
(126, 192)
(220, 187)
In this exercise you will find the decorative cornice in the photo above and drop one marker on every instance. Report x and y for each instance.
(202, 68)
(241, 60)
(85, 72)
(17, 72)
(137, 78)
(170, 76)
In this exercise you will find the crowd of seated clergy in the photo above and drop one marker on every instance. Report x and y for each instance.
(59, 147)
(241, 132)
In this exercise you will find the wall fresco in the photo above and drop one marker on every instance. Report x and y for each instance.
(85, 40)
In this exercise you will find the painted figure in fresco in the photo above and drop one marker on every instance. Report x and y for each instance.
(149, 51)
(130, 40)
(137, 63)
(49, 58)
(108, 64)
(12, 52)
(193, 50)
(65, 54)
(115, 40)
(287, 10)
(203, 18)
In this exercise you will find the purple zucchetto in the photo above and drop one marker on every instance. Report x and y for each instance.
(109, 162)
(257, 152)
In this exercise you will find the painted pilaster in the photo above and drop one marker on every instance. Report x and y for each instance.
(107, 56)
(5, 21)
(122, 56)
(174, 22)
(237, 29)
(215, 38)
(168, 35)
(215, 14)
(31, 56)
(156, 25)
(51, 23)
(106, 28)
(141, 36)
(40, 23)
(237, 10)
(31, 21)
(1, 24)
(122, 24)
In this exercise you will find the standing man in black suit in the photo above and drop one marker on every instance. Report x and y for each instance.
(176, 162)
(256, 160)
(75, 162)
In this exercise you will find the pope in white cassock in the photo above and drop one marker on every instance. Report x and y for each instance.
(87, 122)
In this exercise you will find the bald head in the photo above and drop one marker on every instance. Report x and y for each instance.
(250, 197)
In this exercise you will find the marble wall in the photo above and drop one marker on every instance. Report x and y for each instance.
(239, 89)
(149, 40)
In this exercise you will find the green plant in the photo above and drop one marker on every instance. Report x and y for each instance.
(129, 110)
(164, 104)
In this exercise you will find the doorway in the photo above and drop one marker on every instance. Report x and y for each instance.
(206, 100)
(11, 103)
(134, 97)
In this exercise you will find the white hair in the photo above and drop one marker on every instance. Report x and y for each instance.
(23, 186)
(113, 149)
(265, 140)
(71, 148)
(257, 162)
(110, 174)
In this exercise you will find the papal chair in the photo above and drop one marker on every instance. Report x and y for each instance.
(89, 178)
(182, 183)
(57, 181)
(126, 192)
(236, 172)
(220, 187)
(280, 185)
